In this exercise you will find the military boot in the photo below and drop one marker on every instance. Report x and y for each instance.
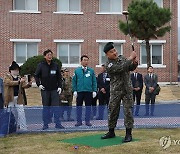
(110, 134)
(128, 137)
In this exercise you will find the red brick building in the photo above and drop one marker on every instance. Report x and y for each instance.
(71, 28)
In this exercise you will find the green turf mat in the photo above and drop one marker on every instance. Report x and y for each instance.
(95, 141)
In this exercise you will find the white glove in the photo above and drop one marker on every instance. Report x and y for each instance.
(75, 94)
(41, 87)
(94, 94)
(59, 90)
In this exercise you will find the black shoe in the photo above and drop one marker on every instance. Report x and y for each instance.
(45, 127)
(128, 138)
(98, 118)
(59, 126)
(70, 119)
(88, 124)
(78, 124)
(108, 135)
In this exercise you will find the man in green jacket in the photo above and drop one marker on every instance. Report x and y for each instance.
(84, 88)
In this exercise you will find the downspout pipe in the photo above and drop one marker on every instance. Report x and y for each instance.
(170, 52)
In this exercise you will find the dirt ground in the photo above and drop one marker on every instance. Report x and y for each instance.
(168, 93)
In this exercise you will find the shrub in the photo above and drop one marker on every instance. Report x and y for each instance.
(29, 67)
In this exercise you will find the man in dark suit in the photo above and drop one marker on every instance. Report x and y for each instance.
(103, 84)
(137, 83)
(150, 81)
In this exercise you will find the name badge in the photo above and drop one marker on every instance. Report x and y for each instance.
(53, 72)
(107, 79)
(87, 75)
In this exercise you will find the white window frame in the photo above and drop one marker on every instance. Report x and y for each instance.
(69, 42)
(121, 42)
(24, 41)
(68, 12)
(110, 12)
(161, 5)
(25, 11)
(153, 42)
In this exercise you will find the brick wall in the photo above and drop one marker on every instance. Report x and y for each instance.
(89, 26)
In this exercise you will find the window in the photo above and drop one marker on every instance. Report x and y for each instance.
(159, 2)
(26, 5)
(68, 5)
(110, 6)
(23, 51)
(102, 55)
(156, 54)
(69, 53)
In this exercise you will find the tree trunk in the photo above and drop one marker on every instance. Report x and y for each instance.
(148, 53)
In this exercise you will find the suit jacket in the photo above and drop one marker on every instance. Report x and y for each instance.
(150, 82)
(1, 91)
(137, 82)
(1, 86)
(102, 84)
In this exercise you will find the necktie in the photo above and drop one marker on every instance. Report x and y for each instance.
(104, 77)
(150, 76)
(135, 75)
(84, 69)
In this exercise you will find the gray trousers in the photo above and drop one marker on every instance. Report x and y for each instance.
(150, 98)
(51, 103)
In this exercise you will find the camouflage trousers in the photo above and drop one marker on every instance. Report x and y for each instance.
(114, 109)
(68, 98)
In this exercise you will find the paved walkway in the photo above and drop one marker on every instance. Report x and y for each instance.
(165, 116)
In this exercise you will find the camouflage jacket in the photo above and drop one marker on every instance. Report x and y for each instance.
(119, 72)
(67, 86)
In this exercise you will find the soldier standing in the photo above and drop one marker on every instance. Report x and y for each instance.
(67, 94)
(118, 68)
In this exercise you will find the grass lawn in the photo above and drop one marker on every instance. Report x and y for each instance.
(47, 143)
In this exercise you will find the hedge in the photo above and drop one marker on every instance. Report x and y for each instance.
(29, 67)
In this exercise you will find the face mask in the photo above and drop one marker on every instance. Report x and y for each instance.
(14, 73)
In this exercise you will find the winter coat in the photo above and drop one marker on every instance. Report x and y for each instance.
(9, 90)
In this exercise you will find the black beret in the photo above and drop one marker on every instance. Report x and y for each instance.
(108, 46)
(14, 66)
(66, 70)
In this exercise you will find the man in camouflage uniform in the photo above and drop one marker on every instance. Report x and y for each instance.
(118, 68)
(66, 96)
